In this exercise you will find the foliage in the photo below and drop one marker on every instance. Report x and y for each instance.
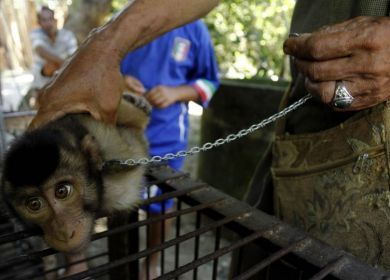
(248, 36)
(117, 5)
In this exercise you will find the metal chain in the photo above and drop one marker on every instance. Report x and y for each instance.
(211, 145)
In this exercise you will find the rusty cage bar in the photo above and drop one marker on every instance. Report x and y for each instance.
(207, 227)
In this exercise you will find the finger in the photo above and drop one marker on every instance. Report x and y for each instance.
(363, 101)
(156, 103)
(323, 90)
(139, 87)
(363, 92)
(362, 63)
(135, 86)
(165, 102)
(319, 47)
(41, 120)
(153, 91)
(50, 113)
(349, 24)
(163, 105)
(331, 70)
(331, 42)
(44, 117)
(154, 99)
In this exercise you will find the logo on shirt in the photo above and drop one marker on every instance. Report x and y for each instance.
(181, 48)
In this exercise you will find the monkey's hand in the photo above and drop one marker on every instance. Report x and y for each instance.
(133, 112)
(138, 101)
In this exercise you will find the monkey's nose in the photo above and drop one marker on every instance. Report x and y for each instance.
(65, 236)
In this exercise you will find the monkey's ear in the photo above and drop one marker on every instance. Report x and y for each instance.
(91, 148)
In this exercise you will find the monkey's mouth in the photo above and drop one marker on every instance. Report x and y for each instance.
(76, 242)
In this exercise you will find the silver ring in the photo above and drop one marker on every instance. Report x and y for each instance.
(342, 98)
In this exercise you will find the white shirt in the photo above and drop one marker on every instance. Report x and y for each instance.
(64, 45)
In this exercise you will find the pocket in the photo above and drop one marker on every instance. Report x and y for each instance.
(335, 185)
(355, 163)
(331, 195)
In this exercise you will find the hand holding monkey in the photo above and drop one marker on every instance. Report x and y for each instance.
(90, 81)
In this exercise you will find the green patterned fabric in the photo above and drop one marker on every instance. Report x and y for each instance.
(335, 185)
(331, 171)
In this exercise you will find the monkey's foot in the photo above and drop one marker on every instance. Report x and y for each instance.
(138, 101)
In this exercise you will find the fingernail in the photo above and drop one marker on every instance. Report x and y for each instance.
(294, 34)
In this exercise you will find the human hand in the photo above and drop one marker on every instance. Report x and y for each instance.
(89, 82)
(134, 85)
(161, 96)
(356, 51)
(49, 68)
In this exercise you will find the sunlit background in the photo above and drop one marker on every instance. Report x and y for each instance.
(247, 35)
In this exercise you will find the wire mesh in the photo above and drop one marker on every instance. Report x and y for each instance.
(204, 236)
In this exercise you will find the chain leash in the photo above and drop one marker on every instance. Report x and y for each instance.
(211, 145)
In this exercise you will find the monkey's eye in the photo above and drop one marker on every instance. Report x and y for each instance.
(34, 204)
(63, 190)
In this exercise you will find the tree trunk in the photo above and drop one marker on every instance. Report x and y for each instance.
(15, 24)
(84, 15)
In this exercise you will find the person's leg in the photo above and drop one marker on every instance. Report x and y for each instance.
(157, 231)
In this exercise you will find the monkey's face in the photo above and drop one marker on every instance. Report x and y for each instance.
(58, 208)
(58, 194)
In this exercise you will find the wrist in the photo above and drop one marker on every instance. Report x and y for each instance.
(186, 93)
(137, 22)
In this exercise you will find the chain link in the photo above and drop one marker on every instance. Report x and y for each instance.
(211, 145)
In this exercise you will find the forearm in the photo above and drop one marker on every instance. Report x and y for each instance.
(144, 20)
(91, 81)
(186, 93)
(48, 55)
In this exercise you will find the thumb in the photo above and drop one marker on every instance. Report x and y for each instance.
(42, 119)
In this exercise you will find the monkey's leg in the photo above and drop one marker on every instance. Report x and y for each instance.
(133, 111)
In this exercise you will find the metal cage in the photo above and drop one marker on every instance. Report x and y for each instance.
(211, 231)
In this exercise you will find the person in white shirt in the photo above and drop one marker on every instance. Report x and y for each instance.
(51, 46)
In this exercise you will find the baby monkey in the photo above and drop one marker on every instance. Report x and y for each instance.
(53, 176)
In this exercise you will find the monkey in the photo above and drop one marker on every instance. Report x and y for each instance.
(54, 177)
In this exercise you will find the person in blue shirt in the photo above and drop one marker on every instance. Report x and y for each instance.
(172, 70)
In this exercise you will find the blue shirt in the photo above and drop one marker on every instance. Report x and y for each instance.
(183, 56)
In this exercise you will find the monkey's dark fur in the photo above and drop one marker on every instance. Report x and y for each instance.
(75, 147)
